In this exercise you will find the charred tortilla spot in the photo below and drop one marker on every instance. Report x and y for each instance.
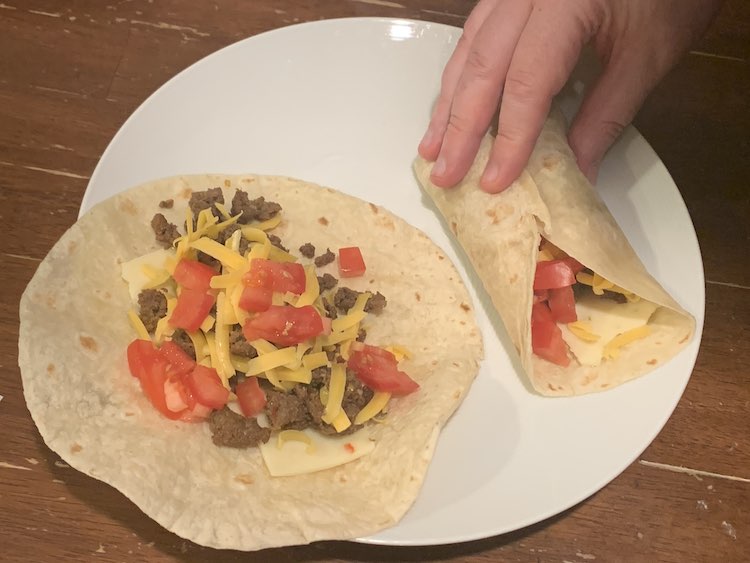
(465, 307)
(129, 414)
(75, 448)
(107, 295)
(50, 368)
(417, 296)
(244, 478)
(374, 208)
(51, 302)
(186, 193)
(457, 394)
(386, 222)
(323, 221)
(72, 247)
(684, 339)
(513, 278)
(550, 162)
(166, 204)
(441, 257)
(227, 183)
(127, 206)
(492, 215)
(550, 387)
(88, 343)
(604, 385)
(454, 227)
(462, 323)
(652, 362)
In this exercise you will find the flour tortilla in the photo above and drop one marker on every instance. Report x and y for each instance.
(501, 235)
(92, 412)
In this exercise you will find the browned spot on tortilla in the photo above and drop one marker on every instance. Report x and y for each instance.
(551, 161)
(72, 246)
(51, 303)
(244, 478)
(227, 183)
(343, 478)
(457, 394)
(441, 257)
(89, 343)
(371, 281)
(551, 387)
(604, 385)
(186, 193)
(323, 221)
(107, 295)
(75, 448)
(652, 362)
(493, 216)
(657, 343)
(455, 364)
(248, 180)
(127, 206)
(684, 339)
(386, 222)
(50, 368)
(454, 227)
(129, 414)
(463, 323)
(373, 207)
(434, 362)
(513, 278)
(418, 296)
(411, 478)
(465, 307)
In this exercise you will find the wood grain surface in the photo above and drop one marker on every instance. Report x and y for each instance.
(72, 71)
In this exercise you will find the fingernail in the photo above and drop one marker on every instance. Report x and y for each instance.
(440, 167)
(491, 174)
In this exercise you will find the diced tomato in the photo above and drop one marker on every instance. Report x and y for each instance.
(327, 326)
(141, 354)
(284, 325)
(546, 336)
(192, 309)
(207, 387)
(192, 274)
(562, 304)
(552, 274)
(541, 295)
(256, 299)
(152, 384)
(197, 413)
(174, 395)
(277, 276)
(351, 263)
(574, 264)
(176, 357)
(378, 369)
(251, 397)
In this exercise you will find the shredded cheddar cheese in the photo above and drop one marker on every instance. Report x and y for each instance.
(137, 324)
(373, 407)
(583, 330)
(336, 388)
(612, 348)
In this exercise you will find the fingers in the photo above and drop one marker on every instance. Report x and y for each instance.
(430, 145)
(538, 71)
(608, 108)
(478, 89)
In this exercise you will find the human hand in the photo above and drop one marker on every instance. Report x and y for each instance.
(520, 53)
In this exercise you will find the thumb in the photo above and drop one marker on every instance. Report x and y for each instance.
(607, 109)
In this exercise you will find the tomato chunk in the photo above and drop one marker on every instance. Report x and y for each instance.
(256, 299)
(546, 336)
(251, 397)
(351, 263)
(192, 274)
(176, 357)
(192, 309)
(552, 274)
(562, 304)
(378, 369)
(141, 354)
(276, 276)
(207, 387)
(284, 325)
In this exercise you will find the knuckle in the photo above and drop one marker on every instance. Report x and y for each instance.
(480, 64)
(521, 85)
(459, 125)
(611, 129)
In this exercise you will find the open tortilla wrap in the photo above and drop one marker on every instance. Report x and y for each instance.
(501, 234)
(92, 412)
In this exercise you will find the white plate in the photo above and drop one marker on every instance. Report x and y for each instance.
(344, 103)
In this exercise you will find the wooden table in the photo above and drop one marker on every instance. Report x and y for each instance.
(71, 72)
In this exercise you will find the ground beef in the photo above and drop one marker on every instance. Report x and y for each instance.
(361, 335)
(224, 236)
(286, 410)
(324, 259)
(166, 204)
(356, 395)
(614, 296)
(330, 308)
(205, 200)
(152, 305)
(238, 344)
(276, 241)
(345, 298)
(327, 281)
(253, 210)
(235, 431)
(332, 352)
(375, 304)
(204, 258)
(165, 232)
(181, 338)
(307, 250)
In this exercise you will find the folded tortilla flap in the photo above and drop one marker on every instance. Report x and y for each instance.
(500, 236)
(583, 227)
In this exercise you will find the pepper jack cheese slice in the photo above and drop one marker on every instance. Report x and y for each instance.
(605, 318)
(134, 273)
(297, 457)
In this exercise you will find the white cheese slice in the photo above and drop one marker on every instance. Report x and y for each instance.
(133, 274)
(292, 458)
(607, 319)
